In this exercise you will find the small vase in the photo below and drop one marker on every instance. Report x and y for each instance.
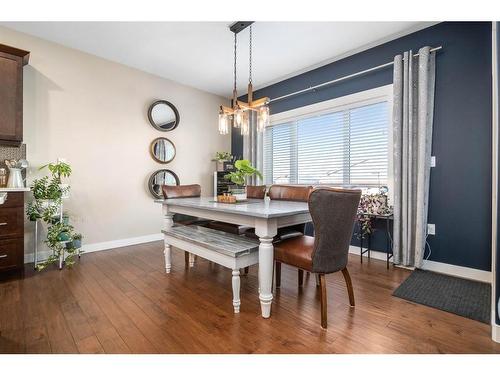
(220, 166)
(63, 237)
(240, 193)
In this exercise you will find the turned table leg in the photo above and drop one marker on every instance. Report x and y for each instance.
(167, 252)
(266, 260)
(236, 290)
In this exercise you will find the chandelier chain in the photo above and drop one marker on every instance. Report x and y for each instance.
(235, 42)
(250, 57)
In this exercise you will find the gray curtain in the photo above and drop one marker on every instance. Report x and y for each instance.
(253, 149)
(413, 107)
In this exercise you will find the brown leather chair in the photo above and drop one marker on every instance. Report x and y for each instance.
(292, 193)
(184, 191)
(333, 212)
(181, 191)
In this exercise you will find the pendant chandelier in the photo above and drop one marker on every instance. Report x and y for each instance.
(240, 114)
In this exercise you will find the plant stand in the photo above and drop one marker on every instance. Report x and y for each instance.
(62, 255)
(35, 250)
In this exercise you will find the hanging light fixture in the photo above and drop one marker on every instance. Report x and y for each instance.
(240, 113)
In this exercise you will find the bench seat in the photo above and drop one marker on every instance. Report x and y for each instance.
(227, 249)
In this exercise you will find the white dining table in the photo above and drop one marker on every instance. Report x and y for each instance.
(265, 215)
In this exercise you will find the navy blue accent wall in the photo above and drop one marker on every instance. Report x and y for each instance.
(460, 190)
(497, 281)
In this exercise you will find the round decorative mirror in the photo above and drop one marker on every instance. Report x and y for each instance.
(162, 150)
(159, 178)
(163, 115)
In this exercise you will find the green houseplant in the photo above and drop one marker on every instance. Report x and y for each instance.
(244, 169)
(48, 193)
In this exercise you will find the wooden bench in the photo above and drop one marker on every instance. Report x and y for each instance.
(227, 249)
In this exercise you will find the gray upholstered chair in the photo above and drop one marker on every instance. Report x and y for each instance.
(333, 212)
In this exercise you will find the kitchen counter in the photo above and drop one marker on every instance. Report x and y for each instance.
(11, 190)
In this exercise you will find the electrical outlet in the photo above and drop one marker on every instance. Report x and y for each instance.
(431, 229)
(433, 161)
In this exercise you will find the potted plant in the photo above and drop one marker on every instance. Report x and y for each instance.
(372, 204)
(77, 241)
(59, 170)
(47, 198)
(220, 158)
(243, 170)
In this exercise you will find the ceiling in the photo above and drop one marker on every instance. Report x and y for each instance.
(200, 54)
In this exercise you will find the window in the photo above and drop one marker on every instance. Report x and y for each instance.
(344, 143)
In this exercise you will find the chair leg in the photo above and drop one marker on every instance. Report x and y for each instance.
(186, 258)
(246, 270)
(301, 277)
(348, 282)
(278, 274)
(191, 260)
(316, 276)
(322, 284)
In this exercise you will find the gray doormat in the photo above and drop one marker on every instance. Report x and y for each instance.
(471, 299)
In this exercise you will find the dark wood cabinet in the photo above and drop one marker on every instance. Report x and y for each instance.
(12, 232)
(12, 61)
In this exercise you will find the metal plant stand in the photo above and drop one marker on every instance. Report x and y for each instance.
(388, 218)
(62, 256)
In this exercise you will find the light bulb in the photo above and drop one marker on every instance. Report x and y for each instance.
(245, 125)
(263, 118)
(238, 118)
(223, 124)
(260, 125)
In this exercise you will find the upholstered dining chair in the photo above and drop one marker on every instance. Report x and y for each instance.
(294, 193)
(184, 191)
(333, 212)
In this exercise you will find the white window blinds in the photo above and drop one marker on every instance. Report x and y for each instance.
(347, 148)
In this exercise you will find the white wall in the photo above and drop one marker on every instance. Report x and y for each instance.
(93, 112)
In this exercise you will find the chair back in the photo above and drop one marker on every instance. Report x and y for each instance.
(181, 191)
(290, 192)
(256, 192)
(333, 212)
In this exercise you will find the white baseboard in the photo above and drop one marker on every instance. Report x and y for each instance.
(100, 246)
(495, 333)
(444, 268)
(463, 272)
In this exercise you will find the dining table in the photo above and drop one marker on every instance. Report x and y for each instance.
(265, 215)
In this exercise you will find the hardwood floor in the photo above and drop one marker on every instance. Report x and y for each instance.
(121, 301)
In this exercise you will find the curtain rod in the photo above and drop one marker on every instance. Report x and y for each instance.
(312, 88)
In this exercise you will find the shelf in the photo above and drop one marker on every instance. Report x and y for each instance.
(13, 190)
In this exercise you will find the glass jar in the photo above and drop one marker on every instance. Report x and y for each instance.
(3, 177)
